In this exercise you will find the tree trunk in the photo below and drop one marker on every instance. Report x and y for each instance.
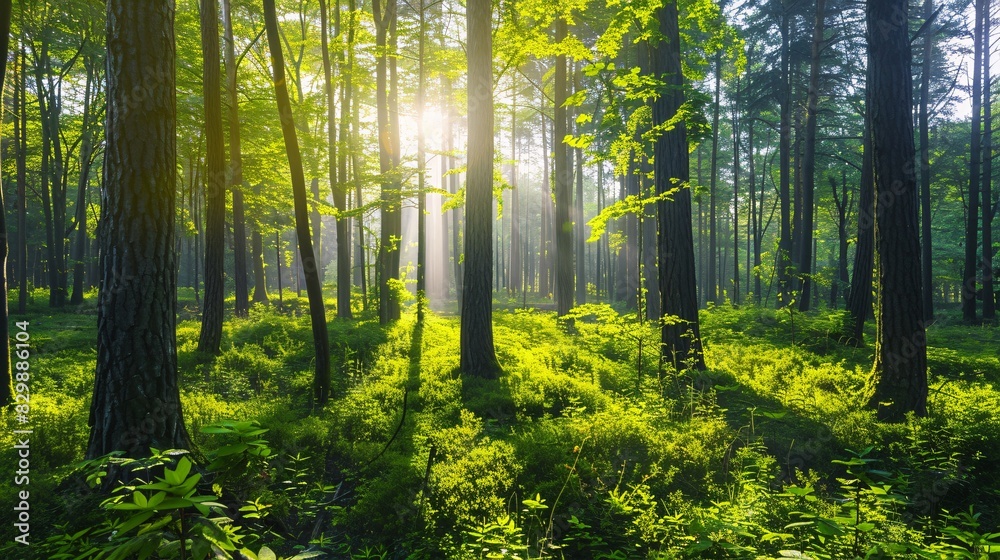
(859, 298)
(580, 250)
(21, 133)
(681, 339)
(713, 258)
(6, 382)
(783, 260)
(338, 167)
(809, 162)
(478, 356)
(242, 305)
(136, 402)
(989, 303)
(317, 312)
(972, 216)
(900, 373)
(925, 165)
(421, 171)
(215, 173)
(516, 266)
(563, 186)
(86, 151)
(384, 12)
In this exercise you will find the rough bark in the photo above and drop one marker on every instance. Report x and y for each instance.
(680, 339)
(899, 376)
(317, 312)
(136, 403)
(478, 357)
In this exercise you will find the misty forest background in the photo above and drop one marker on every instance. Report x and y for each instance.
(501, 279)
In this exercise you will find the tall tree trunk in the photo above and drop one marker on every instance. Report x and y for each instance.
(136, 401)
(21, 132)
(900, 373)
(544, 255)
(478, 357)
(6, 381)
(842, 203)
(215, 172)
(736, 196)
(580, 249)
(809, 161)
(754, 210)
(86, 150)
(563, 185)
(317, 312)
(384, 12)
(783, 260)
(713, 257)
(338, 167)
(516, 266)
(242, 304)
(421, 170)
(972, 216)
(989, 303)
(925, 165)
(257, 256)
(681, 340)
(859, 298)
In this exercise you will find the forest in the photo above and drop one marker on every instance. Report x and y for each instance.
(522, 279)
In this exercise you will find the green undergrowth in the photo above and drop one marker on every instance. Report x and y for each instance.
(581, 448)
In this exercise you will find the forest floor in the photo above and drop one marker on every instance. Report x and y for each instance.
(580, 450)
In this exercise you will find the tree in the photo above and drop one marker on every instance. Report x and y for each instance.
(6, 386)
(478, 354)
(384, 12)
(809, 161)
(680, 337)
(972, 215)
(314, 290)
(210, 339)
(989, 303)
(338, 182)
(563, 186)
(900, 372)
(136, 403)
(925, 162)
(782, 262)
(242, 303)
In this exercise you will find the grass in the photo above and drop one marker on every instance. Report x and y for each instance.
(580, 445)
